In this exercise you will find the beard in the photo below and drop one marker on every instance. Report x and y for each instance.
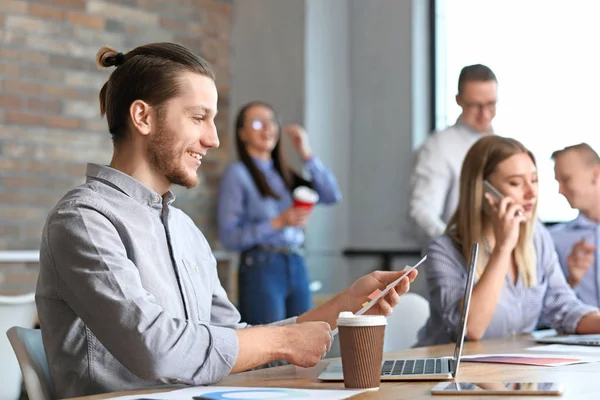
(166, 159)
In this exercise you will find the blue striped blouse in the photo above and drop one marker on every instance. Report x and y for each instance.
(519, 307)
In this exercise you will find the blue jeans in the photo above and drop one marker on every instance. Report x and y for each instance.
(272, 286)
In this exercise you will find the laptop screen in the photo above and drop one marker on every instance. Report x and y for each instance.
(465, 310)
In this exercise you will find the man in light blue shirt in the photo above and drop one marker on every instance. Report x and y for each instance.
(577, 170)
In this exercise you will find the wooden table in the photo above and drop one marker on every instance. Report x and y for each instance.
(582, 381)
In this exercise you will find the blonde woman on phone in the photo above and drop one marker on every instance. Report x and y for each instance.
(518, 277)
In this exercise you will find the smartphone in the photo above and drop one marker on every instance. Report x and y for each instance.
(489, 188)
(501, 388)
(379, 294)
(496, 195)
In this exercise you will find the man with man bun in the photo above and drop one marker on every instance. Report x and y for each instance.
(128, 295)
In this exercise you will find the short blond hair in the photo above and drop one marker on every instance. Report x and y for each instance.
(587, 153)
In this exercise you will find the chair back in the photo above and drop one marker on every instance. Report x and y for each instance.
(29, 349)
(404, 323)
(14, 310)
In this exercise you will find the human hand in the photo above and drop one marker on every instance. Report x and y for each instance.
(507, 216)
(360, 290)
(307, 342)
(579, 261)
(293, 216)
(299, 139)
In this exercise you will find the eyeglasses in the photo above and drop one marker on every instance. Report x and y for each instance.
(258, 124)
(490, 105)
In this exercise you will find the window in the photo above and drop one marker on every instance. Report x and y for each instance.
(546, 58)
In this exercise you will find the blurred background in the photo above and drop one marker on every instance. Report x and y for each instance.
(368, 79)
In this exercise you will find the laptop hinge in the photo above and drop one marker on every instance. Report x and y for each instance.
(452, 364)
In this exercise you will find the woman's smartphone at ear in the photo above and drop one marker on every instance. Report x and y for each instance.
(492, 191)
(495, 193)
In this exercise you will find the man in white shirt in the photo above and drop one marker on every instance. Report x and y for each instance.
(436, 175)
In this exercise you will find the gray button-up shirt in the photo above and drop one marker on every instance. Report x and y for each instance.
(128, 294)
(519, 307)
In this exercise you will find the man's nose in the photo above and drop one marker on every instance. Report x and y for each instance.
(487, 113)
(211, 139)
(561, 189)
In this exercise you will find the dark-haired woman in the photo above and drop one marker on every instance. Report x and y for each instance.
(257, 218)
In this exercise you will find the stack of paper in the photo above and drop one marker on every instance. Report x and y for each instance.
(548, 360)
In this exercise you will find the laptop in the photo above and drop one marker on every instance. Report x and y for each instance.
(581, 340)
(423, 368)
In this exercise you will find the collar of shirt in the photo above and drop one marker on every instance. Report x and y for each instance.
(581, 222)
(128, 185)
(263, 165)
(462, 125)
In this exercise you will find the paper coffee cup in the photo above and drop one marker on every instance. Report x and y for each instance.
(361, 345)
(305, 197)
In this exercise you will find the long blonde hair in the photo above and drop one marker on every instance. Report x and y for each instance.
(466, 224)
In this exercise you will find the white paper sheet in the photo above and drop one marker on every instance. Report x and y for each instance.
(226, 392)
(566, 348)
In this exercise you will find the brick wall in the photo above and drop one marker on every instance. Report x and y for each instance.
(50, 125)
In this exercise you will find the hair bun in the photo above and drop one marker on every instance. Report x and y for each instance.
(109, 57)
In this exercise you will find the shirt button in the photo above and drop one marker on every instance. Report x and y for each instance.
(157, 199)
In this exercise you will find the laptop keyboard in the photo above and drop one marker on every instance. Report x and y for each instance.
(422, 366)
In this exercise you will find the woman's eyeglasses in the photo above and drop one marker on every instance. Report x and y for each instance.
(258, 124)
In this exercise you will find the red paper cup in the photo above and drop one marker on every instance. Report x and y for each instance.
(305, 197)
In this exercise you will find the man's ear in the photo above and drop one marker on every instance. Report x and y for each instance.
(142, 117)
(595, 175)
